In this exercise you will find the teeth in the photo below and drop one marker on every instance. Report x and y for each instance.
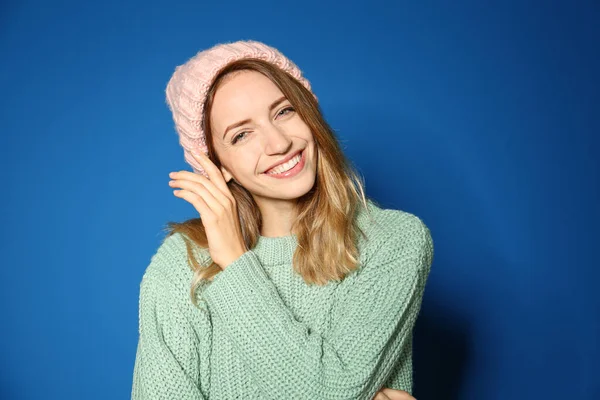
(286, 166)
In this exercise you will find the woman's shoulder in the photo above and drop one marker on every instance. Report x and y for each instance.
(393, 232)
(386, 223)
(170, 264)
(165, 290)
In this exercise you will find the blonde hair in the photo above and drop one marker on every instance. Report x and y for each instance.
(325, 226)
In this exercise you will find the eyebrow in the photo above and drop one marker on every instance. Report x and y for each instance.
(240, 123)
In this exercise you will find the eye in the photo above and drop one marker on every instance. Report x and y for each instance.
(283, 111)
(238, 137)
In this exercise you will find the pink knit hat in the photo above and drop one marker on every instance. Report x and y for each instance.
(187, 89)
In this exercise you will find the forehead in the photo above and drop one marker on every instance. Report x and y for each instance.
(244, 91)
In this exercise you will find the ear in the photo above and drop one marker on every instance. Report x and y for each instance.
(226, 174)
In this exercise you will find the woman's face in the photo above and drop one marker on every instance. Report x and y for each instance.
(255, 127)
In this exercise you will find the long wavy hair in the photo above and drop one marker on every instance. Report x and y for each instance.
(325, 226)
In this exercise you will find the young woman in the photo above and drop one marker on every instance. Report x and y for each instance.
(291, 283)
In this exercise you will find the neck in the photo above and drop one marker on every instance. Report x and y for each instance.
(277, 217)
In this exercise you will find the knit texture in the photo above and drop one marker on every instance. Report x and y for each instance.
(188, 87)
(261, 332)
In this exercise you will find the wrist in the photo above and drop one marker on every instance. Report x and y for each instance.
(234, 256)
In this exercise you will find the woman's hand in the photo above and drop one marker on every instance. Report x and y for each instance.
(217, 207)
(392, 394)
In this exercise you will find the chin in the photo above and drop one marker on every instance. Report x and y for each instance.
(293, 193)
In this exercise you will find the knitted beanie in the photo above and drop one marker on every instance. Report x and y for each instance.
(188, 87)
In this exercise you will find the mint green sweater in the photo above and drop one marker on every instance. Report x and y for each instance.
(261, 332)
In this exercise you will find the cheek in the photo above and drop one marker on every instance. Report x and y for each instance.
(244, 162)
(297, 129)
(306, 132)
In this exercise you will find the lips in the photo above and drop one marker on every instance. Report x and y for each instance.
(288, 158)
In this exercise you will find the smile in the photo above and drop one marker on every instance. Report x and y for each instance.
(288, 169)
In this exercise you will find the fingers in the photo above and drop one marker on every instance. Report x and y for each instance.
(380, 396)
(195, 200)
(394, 394)
(201, 187)
(214, 174)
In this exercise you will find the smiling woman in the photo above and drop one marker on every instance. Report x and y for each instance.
(291, 283)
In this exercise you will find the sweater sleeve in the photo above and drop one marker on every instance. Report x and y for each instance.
(371, 323)
(168, 353)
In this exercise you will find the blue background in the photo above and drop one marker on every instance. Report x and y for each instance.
(482, 119)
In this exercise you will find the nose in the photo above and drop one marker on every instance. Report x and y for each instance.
(276, 140)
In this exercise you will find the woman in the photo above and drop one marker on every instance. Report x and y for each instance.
(291, 284)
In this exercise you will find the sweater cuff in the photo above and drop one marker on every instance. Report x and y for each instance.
(244, 280)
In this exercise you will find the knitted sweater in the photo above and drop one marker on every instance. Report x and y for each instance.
(261, 332)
